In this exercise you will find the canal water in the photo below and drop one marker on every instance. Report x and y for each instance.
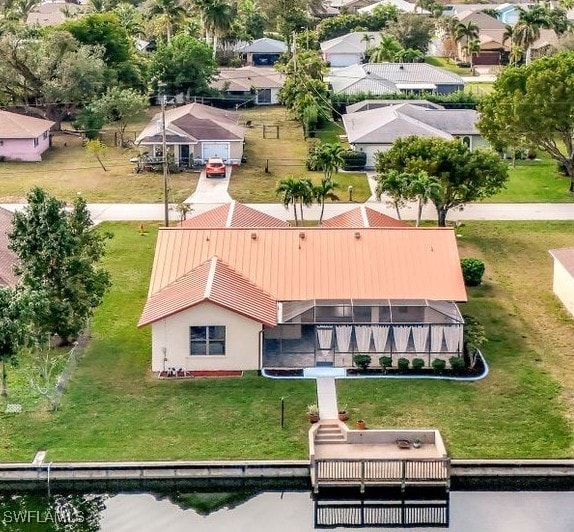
(288, 511)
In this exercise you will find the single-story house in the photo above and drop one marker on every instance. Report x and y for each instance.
(563, 280)
(392, 78)
(376, 130)
(22, 137)
(349, 49)
(491, 36)
(233, 215)
(362, 216)
(260, 84)
(367, 105)
(262, 52)
(253, 298)
(8, 259)
(347, 6)
(194, 133)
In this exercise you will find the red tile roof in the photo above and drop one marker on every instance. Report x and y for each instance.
(363, 217)
(215, 282)
(233, 215)
(295, 264)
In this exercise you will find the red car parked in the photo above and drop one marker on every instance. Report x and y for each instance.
(215, 167)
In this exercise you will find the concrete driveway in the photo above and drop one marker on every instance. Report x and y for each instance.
(211, 189)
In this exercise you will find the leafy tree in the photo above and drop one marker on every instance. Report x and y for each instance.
(54, 70)
(378, 20)
(413, 31)
(463, 176)
(534, 104)
(130, 18)
(59, 254)
(90, 121)
(185, 64)
(98, 149)
(120, 107)
(396, 185)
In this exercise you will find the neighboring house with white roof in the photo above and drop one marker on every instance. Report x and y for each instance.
(376, 130)
(402, 5)
(262, 52)
(259, 84)
(195, 132)
(392, 78)
(349, 49)
(22, 137)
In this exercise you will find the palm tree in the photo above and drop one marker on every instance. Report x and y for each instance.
(217, 16)
(423, 187)
(448, 26)
(304, 195)
(527, 29)
(171, 11)
(470, 49)
(515, 55)
(325, 191)
(330, 159)
(465, 32)
(367, 38)
(387, 49)
(130, 19)
(396, 185)
(288, 188)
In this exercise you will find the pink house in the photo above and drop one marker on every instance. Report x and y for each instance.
(23, 138)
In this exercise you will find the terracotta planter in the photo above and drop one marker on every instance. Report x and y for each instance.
(343, 416)
(313, 418)
(361, 425)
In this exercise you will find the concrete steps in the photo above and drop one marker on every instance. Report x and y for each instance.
(330, 433)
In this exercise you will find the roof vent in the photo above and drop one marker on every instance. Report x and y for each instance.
(302, 235)
(357, 234)
(253, 236)
(401, 67)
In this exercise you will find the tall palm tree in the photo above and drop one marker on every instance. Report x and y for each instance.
(515, 55)
(330, 159)
(367, 38)
(288, 188)
(171, 11)
(305, 195)
(470, 49)
(324, 191)
(387, 49)
(527, 29)
(423, 187)
(396, 186)
(219, 17)
(465, 32)
(131, 19)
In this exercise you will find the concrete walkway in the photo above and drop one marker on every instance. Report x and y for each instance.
(211, 190)
(327, 398)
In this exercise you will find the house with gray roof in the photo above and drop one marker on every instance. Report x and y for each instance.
(391, 78)
(53, 13)
(349, 49)
(261, 85)
(262, 52)
(377, 129)
(194, 133)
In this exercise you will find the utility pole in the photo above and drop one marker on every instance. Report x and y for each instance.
(294, 47)
(164, 164)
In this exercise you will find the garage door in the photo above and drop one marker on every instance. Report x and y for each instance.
(216, 149)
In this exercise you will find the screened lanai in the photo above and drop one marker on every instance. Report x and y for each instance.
(330, 332)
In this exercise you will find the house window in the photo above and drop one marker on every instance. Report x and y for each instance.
(45, 136)
(466, 140)
(208, 340)
(36, 143)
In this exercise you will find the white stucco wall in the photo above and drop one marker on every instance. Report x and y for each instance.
(241, 340)
(370, 150)
(343, 60)
(563, 286)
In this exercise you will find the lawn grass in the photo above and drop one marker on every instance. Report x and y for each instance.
(283, 157)
(447, 64)
(115, 410)
(535, 181)
(479, 88)
(67, 169)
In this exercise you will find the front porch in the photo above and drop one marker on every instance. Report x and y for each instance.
(329, 333)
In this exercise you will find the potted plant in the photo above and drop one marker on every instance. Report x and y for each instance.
(361, 424)
(343, 414)
(417, 443)
(313, 413)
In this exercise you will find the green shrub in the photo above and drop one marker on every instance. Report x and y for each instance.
(313, 148)
(472, 271)
(354, 160)
(438, 364)
(457, 364)
(418, 363)
(403, 364)
(385, 361)
(362, 361)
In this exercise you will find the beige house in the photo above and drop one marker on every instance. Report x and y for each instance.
(233, 298)
(563, 281)
(194, 133)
